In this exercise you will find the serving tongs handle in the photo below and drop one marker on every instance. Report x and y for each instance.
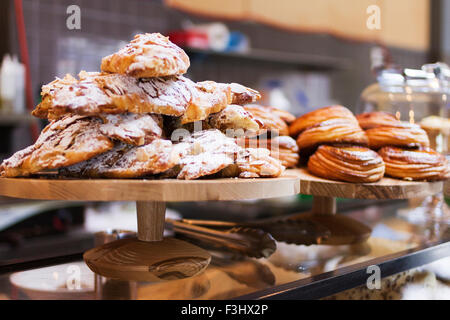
(248, 241)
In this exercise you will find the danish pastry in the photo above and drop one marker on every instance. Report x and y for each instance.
(269, 121)
(126, 161)
(282, 148)
(318, 116)
(147, 55)
(135, 129)
(334, 131)
(407, 135)
(62, 143)
(422, 164)
(349, 164)
(377, 119)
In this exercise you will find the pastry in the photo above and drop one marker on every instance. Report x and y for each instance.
(269, 121)
(232, 119)
(71, 140)
(254, 163)
(283, 148)
(348, 163)
(314, 118)
(96, 93)
(135, 129)
(422, 164)
(205, 153)
(147, 55)
(407, 135)
(126, 161)
(333, 131)
(377, 119)
(242, 95)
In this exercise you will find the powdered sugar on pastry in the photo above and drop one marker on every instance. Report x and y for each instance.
(135, 129)
(205, 153)
(70, 140)
(148, 55)
(126, 161)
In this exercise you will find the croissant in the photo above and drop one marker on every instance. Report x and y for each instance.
(334, 131)
(126, 161)
(96, 93)
(315, 117)
(377, 119)
(350, 164)
(71, 140)
(147, 55)
(407, 135)
(423, 164)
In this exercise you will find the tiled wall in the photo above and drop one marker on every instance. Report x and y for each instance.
(105, 22)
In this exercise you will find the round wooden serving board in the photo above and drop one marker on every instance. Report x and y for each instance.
(167, 190)
(386, 188)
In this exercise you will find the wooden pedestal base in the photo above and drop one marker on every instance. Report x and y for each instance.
(150, 257)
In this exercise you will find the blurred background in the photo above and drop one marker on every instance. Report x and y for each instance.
(301, 55)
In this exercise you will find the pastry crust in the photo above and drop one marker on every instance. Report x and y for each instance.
(135, 129)
(282, 148)
(423, 164)
(70, 140)
(314, 118)
(205, 153)
(126, 161)
(407, 135)
(377, 119)
(98, 93)
(349, 164)
(269, 120)
(147, 55)
(232, 119)
(334, 131)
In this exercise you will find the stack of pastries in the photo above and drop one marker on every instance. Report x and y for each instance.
(339, 146)
(140, 117)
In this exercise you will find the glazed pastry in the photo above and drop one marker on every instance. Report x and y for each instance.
(349, 164)
(334, 131)
(205, 153)
(254, 163)
(422, 164)
(242, 95)
(377, 119)
(70, 140)
(407, 135)
(269, 121)
(314, 118)
(147, 55)
(282, 148)
(126, 161)
(135, 129)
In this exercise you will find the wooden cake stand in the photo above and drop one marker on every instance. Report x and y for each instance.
(345, 230)
(150, 257)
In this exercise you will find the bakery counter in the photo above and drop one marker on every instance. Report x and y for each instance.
(291, 272)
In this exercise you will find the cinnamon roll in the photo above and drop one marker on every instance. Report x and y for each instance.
(407, 135)
(349, 164)
(377, 119)
(334, 131)
(422, 164)
(318, 116)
